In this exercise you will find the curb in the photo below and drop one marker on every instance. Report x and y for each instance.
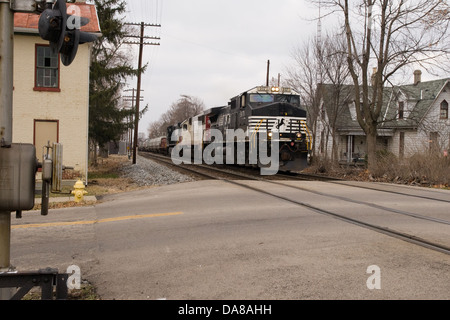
(65, 199)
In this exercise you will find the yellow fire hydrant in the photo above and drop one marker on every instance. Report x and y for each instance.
(79, 191)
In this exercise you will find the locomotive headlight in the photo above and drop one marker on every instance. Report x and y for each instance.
(275, 89)
(299, 135)
(269, 134)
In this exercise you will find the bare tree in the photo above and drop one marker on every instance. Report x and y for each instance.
(389, 35)
(318, 62)
(332, 59)
(303, 75)
(185, 107)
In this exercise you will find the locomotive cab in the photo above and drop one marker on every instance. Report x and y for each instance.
(277, 114)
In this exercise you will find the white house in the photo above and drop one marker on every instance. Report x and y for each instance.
(51, 101)
(415, 118)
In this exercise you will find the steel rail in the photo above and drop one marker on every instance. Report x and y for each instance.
(384, 230)
(302, 176)
(390, 232)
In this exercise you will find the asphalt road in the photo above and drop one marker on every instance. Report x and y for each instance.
(215, 240)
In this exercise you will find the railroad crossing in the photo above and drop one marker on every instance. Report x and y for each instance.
(212, 239)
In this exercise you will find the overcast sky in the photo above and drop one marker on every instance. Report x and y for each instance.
(216, 49)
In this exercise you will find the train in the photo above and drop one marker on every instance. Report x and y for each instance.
(156, 145)
(258, 127)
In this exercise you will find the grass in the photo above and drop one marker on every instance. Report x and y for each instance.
(422, 169)
(86, 292)
(104, 178)
(103, 175)
(65, 192)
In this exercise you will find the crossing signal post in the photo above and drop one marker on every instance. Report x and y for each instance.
(6, 94)
(18, 162)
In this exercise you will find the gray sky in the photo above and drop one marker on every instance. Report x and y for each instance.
(215, 49)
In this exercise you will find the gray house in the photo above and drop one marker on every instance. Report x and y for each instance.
(415, 118)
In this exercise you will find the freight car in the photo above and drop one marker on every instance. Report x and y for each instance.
(157, 145)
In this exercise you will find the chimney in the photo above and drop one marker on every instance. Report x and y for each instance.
(374, 74)
(417, 76)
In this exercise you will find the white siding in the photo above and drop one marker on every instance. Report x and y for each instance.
(433, 123)
(70, 106)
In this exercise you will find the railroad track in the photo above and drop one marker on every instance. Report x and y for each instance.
(238, 178)
(202, 171)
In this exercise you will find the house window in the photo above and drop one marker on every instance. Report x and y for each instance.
(47, 69)
(401, 109)
(444, 110)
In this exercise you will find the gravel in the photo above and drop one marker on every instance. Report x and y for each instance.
(149, 173)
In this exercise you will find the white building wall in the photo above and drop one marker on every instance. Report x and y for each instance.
(70, 106)
(433, 123)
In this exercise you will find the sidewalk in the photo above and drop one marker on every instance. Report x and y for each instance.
(65, 199)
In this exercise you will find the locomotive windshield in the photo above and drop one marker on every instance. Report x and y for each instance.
(261, 98)
(257, 99)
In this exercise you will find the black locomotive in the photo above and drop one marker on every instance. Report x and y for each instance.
(261, 123)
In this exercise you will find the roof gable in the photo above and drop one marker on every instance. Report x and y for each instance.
(420, 98)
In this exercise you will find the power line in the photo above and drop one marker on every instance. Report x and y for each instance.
(150, 11)
(142, 23)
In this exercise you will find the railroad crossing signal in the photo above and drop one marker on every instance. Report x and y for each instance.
(63, 31)
(18, 163)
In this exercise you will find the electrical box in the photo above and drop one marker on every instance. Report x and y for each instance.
(47, 168)
(18, 166)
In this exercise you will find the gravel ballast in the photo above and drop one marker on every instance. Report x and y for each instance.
(149, 173)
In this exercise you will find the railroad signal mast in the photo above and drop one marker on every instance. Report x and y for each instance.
(18, 162)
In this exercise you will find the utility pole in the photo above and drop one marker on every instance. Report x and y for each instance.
(319, 25)
(6, 73)
(141, 43)
(268, 73)
(131, 99)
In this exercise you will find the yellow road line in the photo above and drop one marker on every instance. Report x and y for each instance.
(74, 223)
